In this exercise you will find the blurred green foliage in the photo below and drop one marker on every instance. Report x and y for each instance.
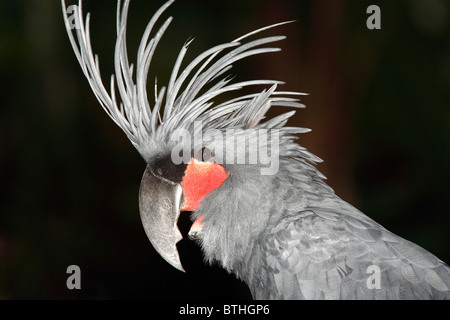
(379, 110)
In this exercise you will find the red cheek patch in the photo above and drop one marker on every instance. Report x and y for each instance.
(200, 178)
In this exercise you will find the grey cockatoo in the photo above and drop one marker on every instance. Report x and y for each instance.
(260, 207)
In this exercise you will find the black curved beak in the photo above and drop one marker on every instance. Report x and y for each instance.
(160, 201)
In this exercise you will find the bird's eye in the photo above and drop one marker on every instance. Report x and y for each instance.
(205, 154)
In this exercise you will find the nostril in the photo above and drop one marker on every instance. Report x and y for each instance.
(193, 234)
(196, 228)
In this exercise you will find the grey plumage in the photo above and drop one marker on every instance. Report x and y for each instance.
(287, 235)
(310, 256)
(297, 240)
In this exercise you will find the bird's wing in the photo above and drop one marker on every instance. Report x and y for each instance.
(320, 254)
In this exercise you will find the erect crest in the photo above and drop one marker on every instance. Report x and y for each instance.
(190, 93)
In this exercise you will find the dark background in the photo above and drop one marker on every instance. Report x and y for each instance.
(69, 178)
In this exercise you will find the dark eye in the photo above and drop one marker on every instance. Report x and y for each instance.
(205, 154)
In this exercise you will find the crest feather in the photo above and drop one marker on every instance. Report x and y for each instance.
(190, 93)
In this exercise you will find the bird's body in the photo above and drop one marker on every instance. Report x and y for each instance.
(304, 242)
(272, 221)
(334, 256)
